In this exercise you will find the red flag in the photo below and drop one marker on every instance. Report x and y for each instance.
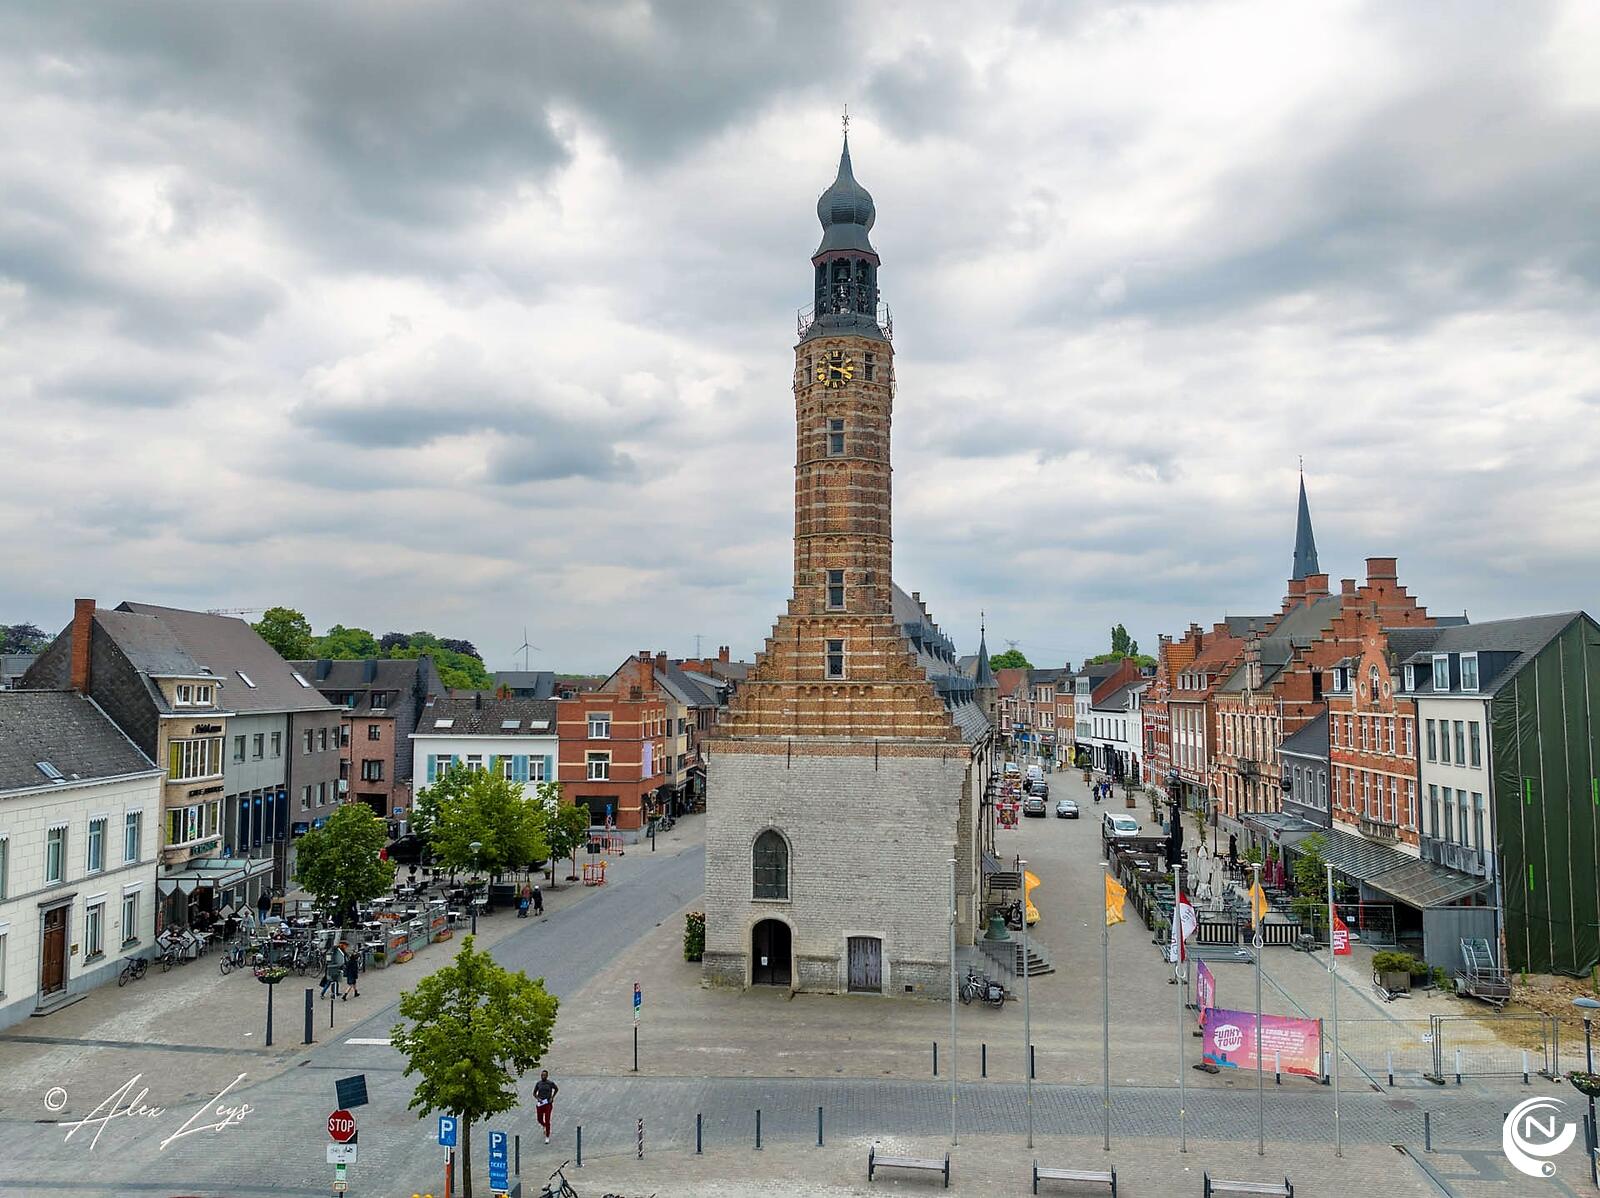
(1341, 937)
(1184, 924)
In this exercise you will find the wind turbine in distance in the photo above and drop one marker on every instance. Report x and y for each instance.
(524, 647)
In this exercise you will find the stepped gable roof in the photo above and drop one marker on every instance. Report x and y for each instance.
(1310, 741)
(253, 677)
(69, 733)
(1301, 627)
(484, 715)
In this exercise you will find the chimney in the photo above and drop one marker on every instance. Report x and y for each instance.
(1220, 628)
(1297, 587)
(644, 655)
(722, 653)
(1382, 568)
(1316, 585)
(477, 700)
(661, 661)
(82, 639)
(1347, 586)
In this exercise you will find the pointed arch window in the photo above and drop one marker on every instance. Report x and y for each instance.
(771, 862)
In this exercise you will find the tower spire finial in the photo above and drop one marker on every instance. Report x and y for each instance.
(845, 121)
(1305, 542)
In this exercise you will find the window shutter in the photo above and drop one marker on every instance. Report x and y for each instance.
(433, 768)
(549, 768)
(519, 768)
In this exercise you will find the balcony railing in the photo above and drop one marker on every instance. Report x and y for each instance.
(806, 317)
(1377, 828)
(1460, 857)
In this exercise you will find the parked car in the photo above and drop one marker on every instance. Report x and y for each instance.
(1033, 805)
(1013, 768)
(1066, 809)
(1114, 826)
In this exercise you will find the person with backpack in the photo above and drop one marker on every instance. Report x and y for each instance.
(352, 970)
(332, 971)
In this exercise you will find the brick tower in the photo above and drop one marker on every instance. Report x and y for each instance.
(851, 764)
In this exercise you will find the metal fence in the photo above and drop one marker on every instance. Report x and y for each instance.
(1441, 1047)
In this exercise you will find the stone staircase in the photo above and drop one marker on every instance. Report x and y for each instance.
(1007, 956)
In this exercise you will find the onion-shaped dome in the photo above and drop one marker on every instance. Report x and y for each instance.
(846, 211)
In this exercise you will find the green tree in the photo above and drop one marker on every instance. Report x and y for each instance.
(287, 631)
(474, 1029)
(456, 670)
(566, 832)
(448, 787)
(23, 638)
(1123, 645)
(1011, 659)
(346, 644)
(338, 862)
(493, 812)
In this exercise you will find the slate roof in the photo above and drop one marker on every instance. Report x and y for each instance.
(936, 655)
(66, 730)
(362, 676)
(486, 717)
(1311, 741)
(1117, 700)
(230, 649)
(1299, 628)
(1525, 636)
(541, 682)
(689, 688)
(149, 644)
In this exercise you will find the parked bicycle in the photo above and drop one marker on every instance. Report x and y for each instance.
(565, 1190)
(132, 970)
(233, 957)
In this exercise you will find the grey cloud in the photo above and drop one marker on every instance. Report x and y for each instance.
(558, 452)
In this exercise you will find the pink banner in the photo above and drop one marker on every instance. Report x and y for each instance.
(1230, 1041)
(1205, 990)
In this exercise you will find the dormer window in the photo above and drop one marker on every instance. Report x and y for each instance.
(1469, 671)
(1441, 671)
(1411, 678)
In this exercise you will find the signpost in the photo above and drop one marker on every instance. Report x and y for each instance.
(499, 1164)
(342, 1154)
(447, 1131)
(638, 1001)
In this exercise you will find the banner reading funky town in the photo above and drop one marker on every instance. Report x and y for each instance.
(1230, 1041)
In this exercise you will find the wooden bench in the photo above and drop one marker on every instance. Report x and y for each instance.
(1085, 1176)
(926, 1163)
(1278, 1189)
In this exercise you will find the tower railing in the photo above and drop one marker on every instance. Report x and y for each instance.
(806, 317)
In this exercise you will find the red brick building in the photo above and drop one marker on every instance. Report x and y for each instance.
(612, 755)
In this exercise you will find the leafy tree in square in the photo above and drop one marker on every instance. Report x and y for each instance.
(493, 812)
(470, 1031)
(339, 864)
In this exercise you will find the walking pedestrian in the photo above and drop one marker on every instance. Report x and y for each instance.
(538, 900)
(544, 1101)
(352, 970)
(524, 901)
(332, 971)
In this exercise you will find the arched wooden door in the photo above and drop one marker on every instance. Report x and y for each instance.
(770, 952)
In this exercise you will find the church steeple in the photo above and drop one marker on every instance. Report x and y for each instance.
(983, 675)
(1305, 543)
(845, 266)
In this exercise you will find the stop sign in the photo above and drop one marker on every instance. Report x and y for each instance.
(342, 1126)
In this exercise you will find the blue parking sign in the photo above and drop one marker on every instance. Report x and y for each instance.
(499, 1168)
(447, 1131)
(498, 1141)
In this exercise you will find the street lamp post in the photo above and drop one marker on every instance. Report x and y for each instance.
(477, 847)
(1027, 1011)
(1589, 1006)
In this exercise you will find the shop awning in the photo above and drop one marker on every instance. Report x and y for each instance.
(1423, 884)
(1280, 827)
(1358, 858)
(216, 873)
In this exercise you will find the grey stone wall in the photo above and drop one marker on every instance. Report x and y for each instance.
(870, 841)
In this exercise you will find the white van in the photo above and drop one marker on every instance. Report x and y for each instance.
(1035, 773)
(1114, 826)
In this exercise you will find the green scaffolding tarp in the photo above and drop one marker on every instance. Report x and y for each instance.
(1545, 725)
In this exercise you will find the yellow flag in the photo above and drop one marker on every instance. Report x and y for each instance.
(1258, 905)
(1116, 895)
(1029, 881)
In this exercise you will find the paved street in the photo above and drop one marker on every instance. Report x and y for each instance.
(715, 1054)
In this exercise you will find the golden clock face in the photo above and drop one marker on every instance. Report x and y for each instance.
(835, 369)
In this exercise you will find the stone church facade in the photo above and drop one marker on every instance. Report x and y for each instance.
(852, 764)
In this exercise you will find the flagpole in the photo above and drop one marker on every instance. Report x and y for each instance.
(954, 1055)
(1333, 986)
(1261, 1092)
(1105, 1005)
(1182, 975)
(1027, 1011)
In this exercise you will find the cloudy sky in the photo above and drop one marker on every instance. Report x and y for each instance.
(467, 318)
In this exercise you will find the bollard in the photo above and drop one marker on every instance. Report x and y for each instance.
(1032, 1072)
(1389, 1061)
(516, 1159)
(1427, 1132)
(819, 1127)
(310, 1007)
(1524, 1066)
(697, 1134)
(1458, 1066)
(936, 1058)
(641, 1139)
(580, 1145)
(1277, 1068)
(984, 1070)
(758, 1129)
